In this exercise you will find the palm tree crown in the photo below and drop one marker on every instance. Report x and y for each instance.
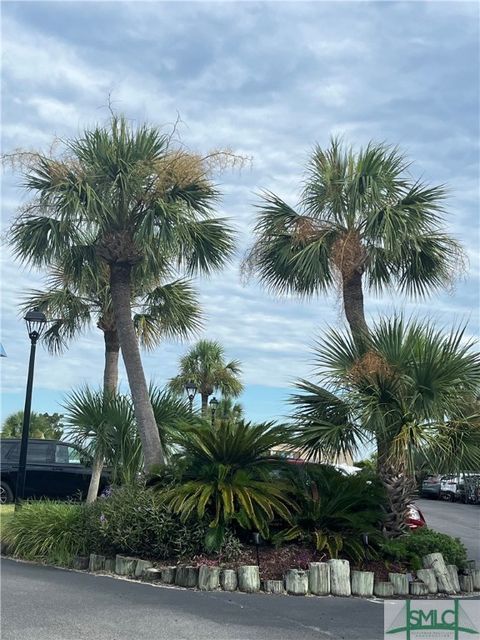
(361, 220)
(205, 365)
(137, 203)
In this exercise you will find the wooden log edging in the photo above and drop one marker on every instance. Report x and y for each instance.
(362, 583)
(296, 582)
(340, 578)
(96, 563)
(186, 576)
(319, 578)
(249, 578)
(208, 578)
(436, 562)
(124, 565)
(229, 580)
(273, 586)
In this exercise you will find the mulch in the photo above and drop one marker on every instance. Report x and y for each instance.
(274, 562)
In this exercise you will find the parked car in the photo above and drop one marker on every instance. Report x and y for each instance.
(452, 488)
(415, 518)
(54, 470)
(431, 487)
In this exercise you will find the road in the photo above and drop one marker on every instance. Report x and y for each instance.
(44, 603)
(458, 520)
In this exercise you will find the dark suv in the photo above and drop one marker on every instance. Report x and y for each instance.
(54, 470)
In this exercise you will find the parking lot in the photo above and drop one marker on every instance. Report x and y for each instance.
(459, 520)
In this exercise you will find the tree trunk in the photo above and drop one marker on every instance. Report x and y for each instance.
(204, 405)
(97, 468)
(121, 300)
(110, 372)
(353, 304)
(399, 488)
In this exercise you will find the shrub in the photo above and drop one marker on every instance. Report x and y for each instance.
(229, 478)
(411, 547)
(135, 521)
(334, 511)
(46, 530)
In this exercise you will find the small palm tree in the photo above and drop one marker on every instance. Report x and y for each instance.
(205, 365)
(410, 391)
(78, 299)
(229, 476)
(139, 204)
(228, 411)
(104, 425)
(361, 222)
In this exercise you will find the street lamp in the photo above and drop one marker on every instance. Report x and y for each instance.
(35, 321)
(213, 406)
(191, 389)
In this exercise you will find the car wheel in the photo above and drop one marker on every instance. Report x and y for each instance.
(6, 494)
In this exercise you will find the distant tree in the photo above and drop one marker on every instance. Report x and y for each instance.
(228, 411)
(42, 425)
(205, 365)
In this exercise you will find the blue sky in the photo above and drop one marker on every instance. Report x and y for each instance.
(268, 80)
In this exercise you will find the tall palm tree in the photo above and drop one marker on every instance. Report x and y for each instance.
(76, 301)
(410, 391)
(141, 205)
(205, 365)
(362, 221)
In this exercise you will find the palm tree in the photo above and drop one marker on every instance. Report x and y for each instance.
(104, 425)
(361, 222)
(228, 411)
(229, 476)
(76, 300)
(205, 365)
(411, 390)
(140, 205)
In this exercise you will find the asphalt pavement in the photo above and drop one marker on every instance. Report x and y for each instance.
(458, 520)
(44, 603)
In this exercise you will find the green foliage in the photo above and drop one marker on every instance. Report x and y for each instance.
(49, 531)
(334, 510)
(408, 386)
(42, 425)
(412, 547)
(229, 477)
(206, 366)
(134, 520)
(358, 211)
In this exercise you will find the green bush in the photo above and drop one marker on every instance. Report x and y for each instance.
(48, 531)
(411, 547)
(134, 520)
(335, 510)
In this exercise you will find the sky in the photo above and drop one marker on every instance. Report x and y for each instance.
(268, 80)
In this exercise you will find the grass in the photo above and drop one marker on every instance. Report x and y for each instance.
(6, 513)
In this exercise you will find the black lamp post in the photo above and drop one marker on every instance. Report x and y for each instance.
(35, 321)
(213, 406)
(191, 389)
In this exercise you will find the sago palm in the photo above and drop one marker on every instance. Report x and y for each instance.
(362, 222)
(206, 366)
(410, 390)
(78, 300)
(229, 477)
(138, 203)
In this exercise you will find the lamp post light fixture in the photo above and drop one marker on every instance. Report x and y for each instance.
(35, 321)
(191, 389)
(213, 406)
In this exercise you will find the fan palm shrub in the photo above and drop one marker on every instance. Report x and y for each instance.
(79, 298)
(229, 476)
(104, 425)
(206, 366)
(410, 390)
(362, 222)
(138, 203)
(335, 511)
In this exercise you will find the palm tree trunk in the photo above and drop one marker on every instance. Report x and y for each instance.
(110, 372)
(353, 304)
(204, 405)
(120, 286)
(110, 384)
(97, 468)
(399, 488)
